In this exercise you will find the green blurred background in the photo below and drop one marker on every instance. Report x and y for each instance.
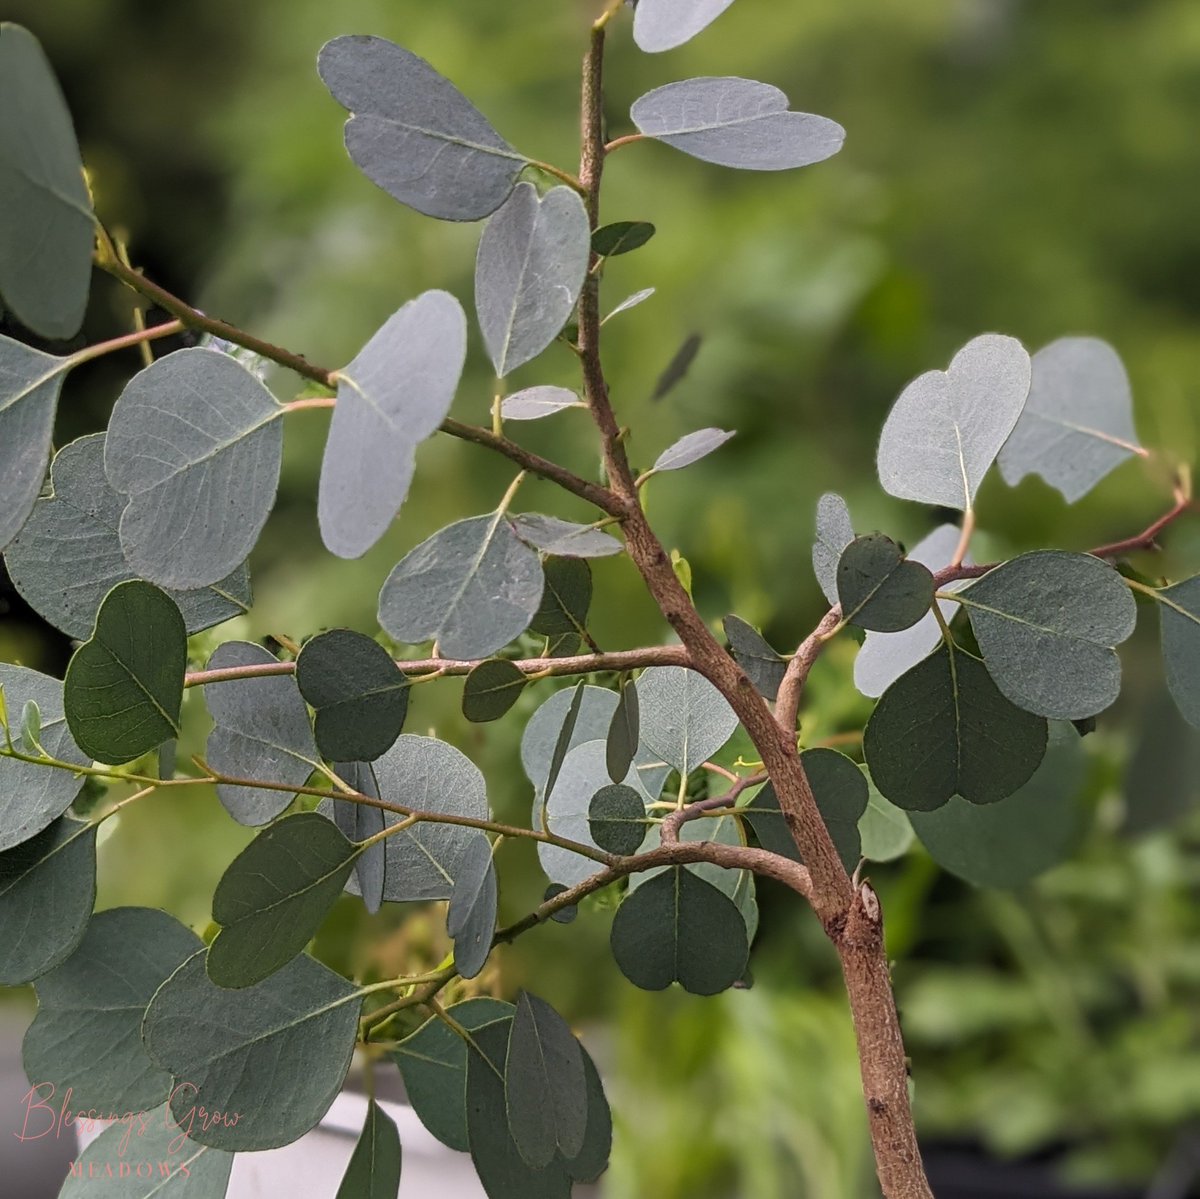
(1011, 165)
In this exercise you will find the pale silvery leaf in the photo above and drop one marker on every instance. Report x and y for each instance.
(884, 657)
(563, 539)
(390, 398)
(684, 718)
(1078, 422)
(834, 533)
(473, 586)
(195, 443)
(664, 24)
(532, 258)
(414, 134)
(535, 402)
(29, 385)
(638, 297)
(947, 427)
(47, 229)
(68, 556)
(691, 448)
(736, 123)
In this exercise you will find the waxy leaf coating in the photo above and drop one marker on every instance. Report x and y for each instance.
(31, 796)
(564, 539)
(685, 718)
(834, 533)
(532, 258)
(1046, 624)
(359, 694)
(30, 382)
(47, 890)
(535, 402)
(678, 928)
(87, 1035)
(374, 1169)
(124, 687)
(46, 223)
(195, 443)
(944, 729)
(473, 587)
(274, 896)
(471, 915)
(664, 24)
(545, 1087)
(275, 1054)
(879, 589)
(736, 123)
(262, 733)
(947, 427)
(68, 556)
(1179, 612)
(691, 448)
(1077, 425)
(414, 134)
(392, 397)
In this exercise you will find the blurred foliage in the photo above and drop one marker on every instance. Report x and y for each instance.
(1011, 165)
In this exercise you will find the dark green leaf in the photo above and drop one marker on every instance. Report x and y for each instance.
(944, 729)
(358, 693)
(433, 1062)
(275, 1054)
(566, 598)
(1008, 843)
(621, 237)
(491, 690)
(262, 733)
(1162, 778)
(1179, 610)
(358, 822)
(563, 915)
(617, 819)
(471, 916)
(755, 656)
(46, 223)
(545, 1087)
(374, 1169)
(87, 1035)
(879, 589)
(274, 896)
(47, 889)
(1046, 624)
(124, 687)
(622, 742)
(563, 744)
(676, 370)
(592, 1160)
(678, 928)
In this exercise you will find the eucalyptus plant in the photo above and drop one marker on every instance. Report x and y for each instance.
(131, 540)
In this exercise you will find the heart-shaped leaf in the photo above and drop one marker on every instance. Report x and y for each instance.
(473, 587)
(679, 928)
(736, 123)
(124, 687)
(564, 539)
(621, 237)
(1046, 624)
(834, 533)
(471, 914)
(195, 443)
(884, 657)
(262, 733)
(545, 1087)
(47, 889)
(30, 382)
(944, 728)
(685, 719)
(533, 256)
(755, 656)
(535, 402)
(691, 448)
(358, 693)
(664, 24)
(274, 896)
(31, 796)
(274, 1055)
(1078, 423)
(491, 690)
(46, 222)
(414, 134)
(87, 1035)
(1179, 609)
(374, 1169)
(879, 588)
(392, 397)
(68, 557)
(947, 427)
